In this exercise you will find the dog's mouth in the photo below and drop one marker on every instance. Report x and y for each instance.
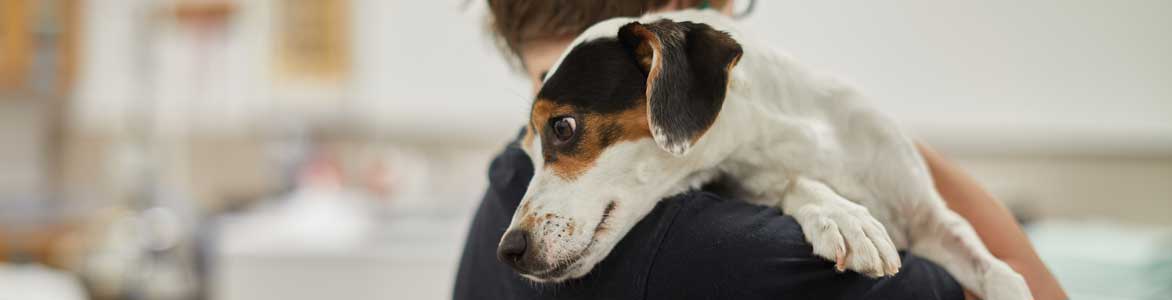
(559, 271)
(565, 267)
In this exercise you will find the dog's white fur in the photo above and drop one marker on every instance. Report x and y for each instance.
(806, 144)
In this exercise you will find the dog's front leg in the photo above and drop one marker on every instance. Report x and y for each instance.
(841, 230)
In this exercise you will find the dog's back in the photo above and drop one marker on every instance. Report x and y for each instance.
(640, 109)
(786, 128)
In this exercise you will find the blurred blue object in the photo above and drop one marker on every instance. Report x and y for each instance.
(1103, 260)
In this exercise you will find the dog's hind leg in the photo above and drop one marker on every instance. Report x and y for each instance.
(939, 234)
(944, 237)
(895, 171)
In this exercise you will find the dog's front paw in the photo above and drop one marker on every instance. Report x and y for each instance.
(1002, 283)
(847, 234)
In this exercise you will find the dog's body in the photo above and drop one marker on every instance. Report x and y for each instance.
(708, 102)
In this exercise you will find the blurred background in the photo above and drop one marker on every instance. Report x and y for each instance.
(314, 149)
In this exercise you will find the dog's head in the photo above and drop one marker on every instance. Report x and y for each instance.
(617, 113)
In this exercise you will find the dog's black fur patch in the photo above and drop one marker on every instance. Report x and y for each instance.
(599, 77)
(608, 76)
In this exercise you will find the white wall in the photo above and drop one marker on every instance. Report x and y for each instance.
(429, 68)
(990, 77)
(141, 68)
(1005, 76)
(1061, 107)
(997, 76)
(1003, 85)
(420, 68)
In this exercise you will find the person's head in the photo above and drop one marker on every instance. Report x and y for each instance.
(534, 33)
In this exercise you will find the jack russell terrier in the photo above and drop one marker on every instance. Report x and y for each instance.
(639, 109)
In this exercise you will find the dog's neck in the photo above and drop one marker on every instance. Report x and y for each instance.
(770, 98)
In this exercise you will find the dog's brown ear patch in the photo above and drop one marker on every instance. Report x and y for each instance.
(688, 67)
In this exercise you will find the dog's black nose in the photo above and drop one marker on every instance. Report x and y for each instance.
(512, 247)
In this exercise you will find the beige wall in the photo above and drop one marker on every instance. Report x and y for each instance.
(209, 170)
(1131, 190)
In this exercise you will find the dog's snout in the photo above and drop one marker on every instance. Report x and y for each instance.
(512, 247)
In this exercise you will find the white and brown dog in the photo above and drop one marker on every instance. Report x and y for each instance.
(640, 109)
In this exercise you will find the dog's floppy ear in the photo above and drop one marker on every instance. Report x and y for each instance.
(687, 66)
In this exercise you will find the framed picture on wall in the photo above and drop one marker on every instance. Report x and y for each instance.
(313, 40)
(15, 43)
(38, 43)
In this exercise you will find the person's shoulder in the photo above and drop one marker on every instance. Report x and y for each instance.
(720, 234)
(722, 248)
(706, 222)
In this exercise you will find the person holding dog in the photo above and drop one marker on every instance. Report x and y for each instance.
(700, 244)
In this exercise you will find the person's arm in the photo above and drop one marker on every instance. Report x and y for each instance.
(994, 224)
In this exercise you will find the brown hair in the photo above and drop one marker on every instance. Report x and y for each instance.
(518, 21)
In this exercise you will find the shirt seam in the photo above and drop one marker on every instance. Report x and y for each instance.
(659, 244)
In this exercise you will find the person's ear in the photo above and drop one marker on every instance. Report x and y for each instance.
(688, 67)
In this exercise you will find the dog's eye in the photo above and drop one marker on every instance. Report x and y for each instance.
(563, 128)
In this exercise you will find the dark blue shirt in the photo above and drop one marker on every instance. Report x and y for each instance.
(697, 245)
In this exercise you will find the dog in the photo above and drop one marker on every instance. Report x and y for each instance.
(639, 109)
